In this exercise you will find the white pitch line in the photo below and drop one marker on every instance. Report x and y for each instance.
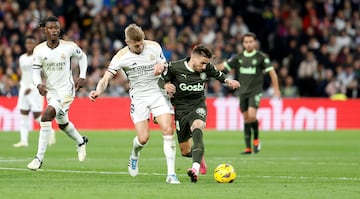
(308, 177)
(160, 174)
(13, 160)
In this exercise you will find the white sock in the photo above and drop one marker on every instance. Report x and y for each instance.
(71, 131)
(170, 153)
(44, 136)
(24, 128)
(196, 166)
(38, 120)
(136, 147)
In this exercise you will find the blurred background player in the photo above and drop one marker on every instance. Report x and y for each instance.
(143, 61)
(185, 81)
(250, 66)
(52, 57)
(29, 97)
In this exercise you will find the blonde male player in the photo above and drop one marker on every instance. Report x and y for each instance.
(143, 61)
(52, 57)
(29, 98)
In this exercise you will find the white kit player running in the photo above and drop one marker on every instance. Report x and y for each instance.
(143, 61)
(52, 57)
(29, 97)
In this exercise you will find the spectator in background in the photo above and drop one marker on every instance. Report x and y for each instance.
(347, 79)
(275, 24)
(289, 90)
(306, 72)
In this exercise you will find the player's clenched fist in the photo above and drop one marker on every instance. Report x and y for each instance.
(93, 95)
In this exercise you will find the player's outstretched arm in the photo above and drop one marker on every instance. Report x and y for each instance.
(101, 86)
(275, 83)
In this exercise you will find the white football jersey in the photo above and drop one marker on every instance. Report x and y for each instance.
(25, 64)
(55, 65)
(139, 69)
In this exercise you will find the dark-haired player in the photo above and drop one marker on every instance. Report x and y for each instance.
(185, 80)
(251, 65)
(52, 57)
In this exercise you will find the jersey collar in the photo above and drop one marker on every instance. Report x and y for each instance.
(187, 65)
(246, 54)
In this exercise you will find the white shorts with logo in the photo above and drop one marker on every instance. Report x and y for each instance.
(61, 102)
(32, 101)
(141, 107)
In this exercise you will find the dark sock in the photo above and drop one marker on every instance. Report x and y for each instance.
(255, 127)
(198, 148)
(247, 135)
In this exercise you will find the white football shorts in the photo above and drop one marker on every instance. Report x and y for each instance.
(141, 107)
(61, 102)
(32, 101)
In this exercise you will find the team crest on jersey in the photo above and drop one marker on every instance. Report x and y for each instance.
(201, 112)
(240, 61)
(152, 57)
(203, 76)
(63, 56)
(254, 62)
(78, 51)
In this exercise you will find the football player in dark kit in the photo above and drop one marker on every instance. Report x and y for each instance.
(251, 65)
(185, 81)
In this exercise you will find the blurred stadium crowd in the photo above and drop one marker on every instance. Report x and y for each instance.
(314, 45)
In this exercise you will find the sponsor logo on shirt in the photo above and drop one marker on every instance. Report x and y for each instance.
(196, 87)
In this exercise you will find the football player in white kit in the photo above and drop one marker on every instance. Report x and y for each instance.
(52, 57)
(143, 61)
(29, 97)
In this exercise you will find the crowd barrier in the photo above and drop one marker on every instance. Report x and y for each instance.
(300, 114)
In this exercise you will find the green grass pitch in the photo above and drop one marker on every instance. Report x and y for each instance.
(290, 165)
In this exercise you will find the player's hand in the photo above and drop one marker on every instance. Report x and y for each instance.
(93, 95)
(232, 83)
(170, 89)
(42, 89)
(79, 84)
(158, 68)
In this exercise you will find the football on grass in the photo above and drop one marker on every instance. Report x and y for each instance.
(224, 173)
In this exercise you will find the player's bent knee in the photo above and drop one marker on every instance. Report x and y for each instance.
(168, 131)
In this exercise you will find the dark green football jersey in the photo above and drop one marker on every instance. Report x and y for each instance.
(190, 85)
(250, 68)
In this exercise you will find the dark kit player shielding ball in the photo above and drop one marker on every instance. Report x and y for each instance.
(185, 81)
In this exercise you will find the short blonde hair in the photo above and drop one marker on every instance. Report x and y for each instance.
(134, 33)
